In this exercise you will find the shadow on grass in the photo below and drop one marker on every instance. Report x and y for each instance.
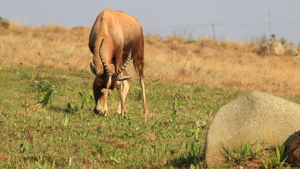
(186, 161)
(70, 109)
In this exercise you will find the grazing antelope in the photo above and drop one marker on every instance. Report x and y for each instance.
(115, 39)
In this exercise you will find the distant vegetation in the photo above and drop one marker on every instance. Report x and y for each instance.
(4, 22)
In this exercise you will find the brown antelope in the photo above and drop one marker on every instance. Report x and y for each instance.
(115, 39)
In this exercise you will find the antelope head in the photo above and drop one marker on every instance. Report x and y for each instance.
(106, 82)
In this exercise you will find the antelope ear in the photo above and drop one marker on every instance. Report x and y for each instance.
(122, 78)
(94, 69)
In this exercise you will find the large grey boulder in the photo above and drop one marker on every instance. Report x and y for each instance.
(273, 46)
(253, 117)
(291, 50)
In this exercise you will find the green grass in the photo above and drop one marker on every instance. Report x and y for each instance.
(67, 133)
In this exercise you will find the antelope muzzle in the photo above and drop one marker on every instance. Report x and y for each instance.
(101, 104)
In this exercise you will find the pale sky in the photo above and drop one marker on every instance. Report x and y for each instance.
(238, 20)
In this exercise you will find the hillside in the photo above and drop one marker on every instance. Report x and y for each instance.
(227, 65)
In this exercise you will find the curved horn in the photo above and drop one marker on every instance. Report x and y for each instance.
(106, 69)
(94, 69)
(125, 64)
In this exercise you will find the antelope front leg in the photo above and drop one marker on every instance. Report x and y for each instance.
(123, 88)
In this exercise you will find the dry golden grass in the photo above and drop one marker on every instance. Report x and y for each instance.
(228, 65)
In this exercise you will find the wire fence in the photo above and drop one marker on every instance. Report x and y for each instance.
(235, 30)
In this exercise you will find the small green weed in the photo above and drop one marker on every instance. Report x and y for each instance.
(82, 134)
(46, 88)
(240, 155)
(273, 157)
(246, 153)
(43, 165)
(66, 120)
(84, 101)
(71, 108)
(279, 152)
